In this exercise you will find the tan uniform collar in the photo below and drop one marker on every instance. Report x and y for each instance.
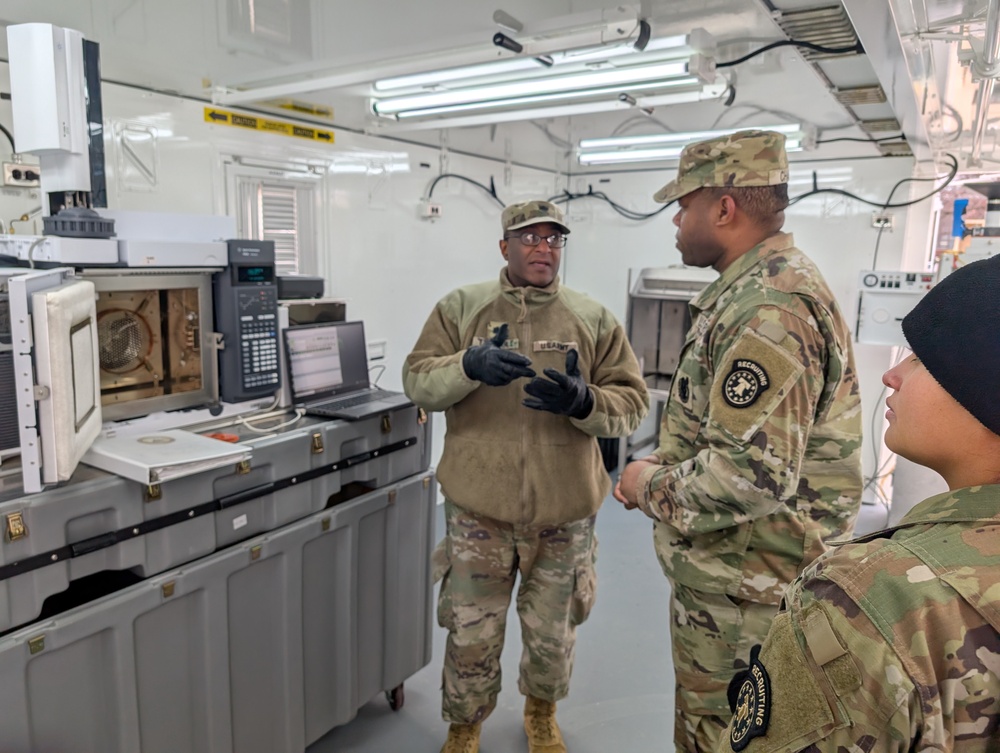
(756, 255)
(972, 504)
(528, 295)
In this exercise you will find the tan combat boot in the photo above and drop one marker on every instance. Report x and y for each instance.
(462, 738)
(540, 724)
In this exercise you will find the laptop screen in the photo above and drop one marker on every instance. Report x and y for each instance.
(326, 359)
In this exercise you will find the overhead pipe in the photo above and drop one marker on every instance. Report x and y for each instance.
(987, 67)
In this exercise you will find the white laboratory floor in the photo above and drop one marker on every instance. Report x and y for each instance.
(621, 698)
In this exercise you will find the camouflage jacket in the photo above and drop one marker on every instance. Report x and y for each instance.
(890, 642)
(503, 460)
(760, 440)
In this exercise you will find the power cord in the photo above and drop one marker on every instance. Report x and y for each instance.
(629, 214)
(491, 189)
(299, 413)
(953, 171)
(793, 43)
(860, 141)
(381, 367)
(10, 138)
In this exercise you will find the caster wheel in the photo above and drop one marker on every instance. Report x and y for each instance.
(395, 698)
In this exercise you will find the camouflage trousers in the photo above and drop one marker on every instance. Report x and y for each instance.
(558, 586)
(712, 635)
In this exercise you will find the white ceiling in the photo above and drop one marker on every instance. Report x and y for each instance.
(193, 46)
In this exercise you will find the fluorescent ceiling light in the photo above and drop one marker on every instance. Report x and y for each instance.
(695, 93)
(617, 77)
(637, 155)
(652, 154)
(676, 138)
(521, 101)
(516, 65)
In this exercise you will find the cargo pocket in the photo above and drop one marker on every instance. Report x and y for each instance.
(441, 564)
(584, 593)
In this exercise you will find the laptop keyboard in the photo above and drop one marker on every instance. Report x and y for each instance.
(354, 400)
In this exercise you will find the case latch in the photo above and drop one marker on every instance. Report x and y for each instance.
(15, 528)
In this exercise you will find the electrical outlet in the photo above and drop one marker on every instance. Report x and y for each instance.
(883, 220)
(376, 350)
(21, 175)
(430, 211)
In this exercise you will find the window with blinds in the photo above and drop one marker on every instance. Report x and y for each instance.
(272, 208)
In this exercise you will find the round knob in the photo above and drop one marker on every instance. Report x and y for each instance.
(870, 280)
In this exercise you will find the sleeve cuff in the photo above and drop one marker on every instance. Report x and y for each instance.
(643, 495)
(466, 379)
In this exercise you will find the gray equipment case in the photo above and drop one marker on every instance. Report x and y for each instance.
(262, 621)
(99, 522)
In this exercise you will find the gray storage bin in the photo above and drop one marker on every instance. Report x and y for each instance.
(376, 559)
(54, 519)
(262, 647)
(94, 504)
(344, 439)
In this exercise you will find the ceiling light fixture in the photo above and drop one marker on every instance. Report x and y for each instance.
(618, 142)
(505, 69)
(693, 93)
(668, 146)
(618, 77)
(680, 83)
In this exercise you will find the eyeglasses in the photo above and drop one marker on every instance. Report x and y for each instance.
(556, 240)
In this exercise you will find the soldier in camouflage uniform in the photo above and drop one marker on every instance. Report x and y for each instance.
(759, 461)
(521, 472)
(891, 642)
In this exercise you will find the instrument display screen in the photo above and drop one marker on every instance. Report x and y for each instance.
(255, 274)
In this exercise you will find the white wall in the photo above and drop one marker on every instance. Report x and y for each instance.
(392, 266)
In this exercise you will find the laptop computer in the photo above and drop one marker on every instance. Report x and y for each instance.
(328, 372)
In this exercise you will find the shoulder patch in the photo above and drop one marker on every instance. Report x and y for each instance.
(753, 704)
(753, 372)
(746, 382)
(683, 389)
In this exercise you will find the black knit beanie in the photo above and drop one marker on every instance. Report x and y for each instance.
(955, 332)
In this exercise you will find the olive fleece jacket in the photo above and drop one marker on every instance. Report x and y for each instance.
(501, 459)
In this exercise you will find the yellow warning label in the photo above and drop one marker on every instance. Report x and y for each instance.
(256, 123)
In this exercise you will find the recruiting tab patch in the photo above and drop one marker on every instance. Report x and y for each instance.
(746, 382)
(753, 704)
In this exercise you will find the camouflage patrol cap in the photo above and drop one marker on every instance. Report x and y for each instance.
(528, 213)
(743, 158)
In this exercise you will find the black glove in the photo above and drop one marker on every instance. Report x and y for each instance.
(490, 364)
(567, 394)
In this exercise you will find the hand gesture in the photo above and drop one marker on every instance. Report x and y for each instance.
(566, 395)
(490, 364)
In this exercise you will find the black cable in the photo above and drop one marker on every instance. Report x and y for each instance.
(862, 141)
(952, 112)
(793, 43)
(10, 138)
(629, 214)
(490, 189)
(953, 171)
